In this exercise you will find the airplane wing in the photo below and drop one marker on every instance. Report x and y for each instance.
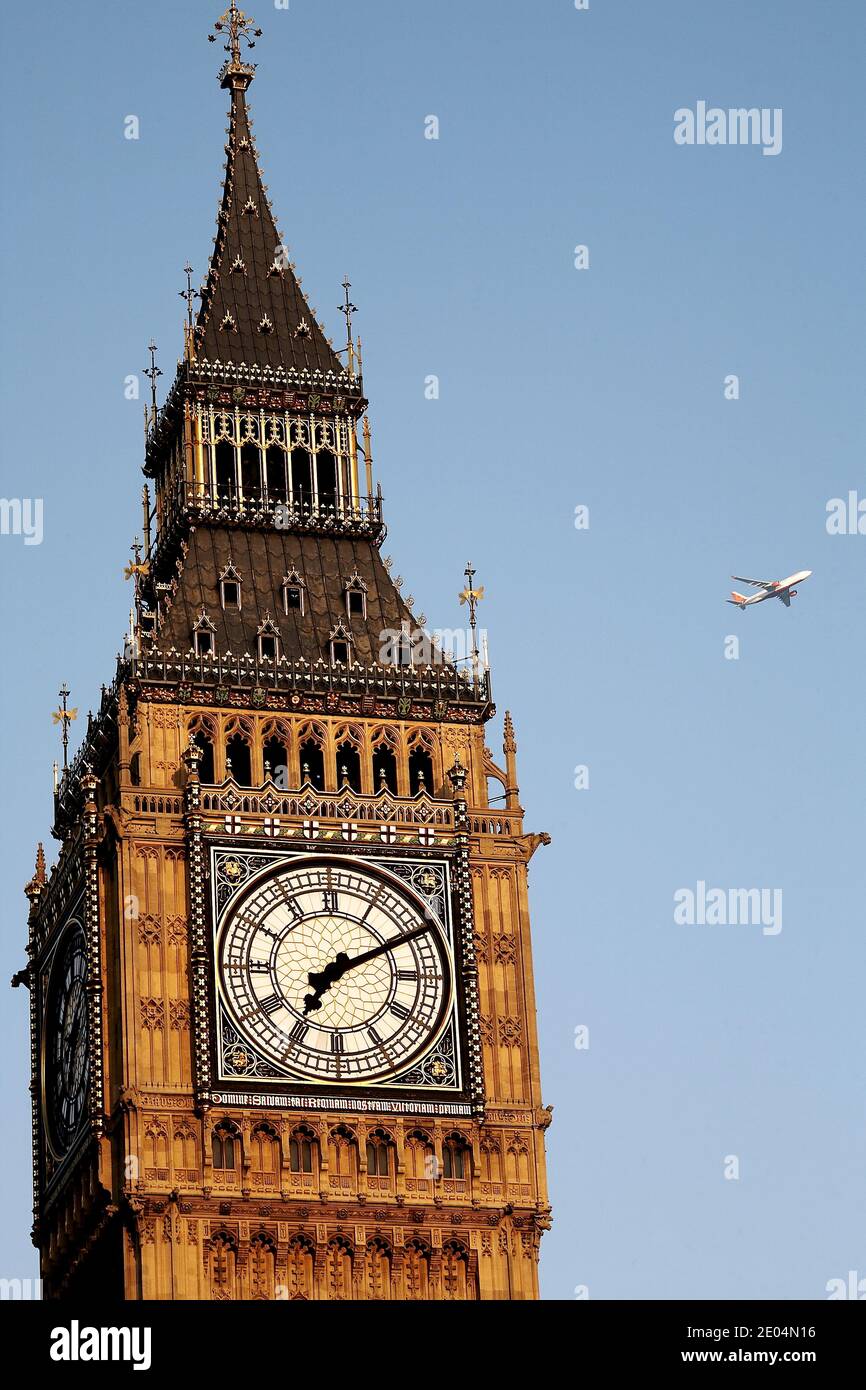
(758, 583)
(785, 597)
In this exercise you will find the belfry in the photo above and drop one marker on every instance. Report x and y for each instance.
(282, 1010)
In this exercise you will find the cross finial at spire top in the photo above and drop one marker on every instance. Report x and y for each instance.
(189, 294)
(347, 309)
(237, 29)
(153, 371)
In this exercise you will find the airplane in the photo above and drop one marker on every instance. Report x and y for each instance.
(770, 588)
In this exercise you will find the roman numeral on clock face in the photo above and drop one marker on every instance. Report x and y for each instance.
(299, 1031)
(337, 1042)
(407, 975)
(398, 1009)
(291, 903)
(271, 1004)
(330, 901)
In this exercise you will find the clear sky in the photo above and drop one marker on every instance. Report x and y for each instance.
(559, 387)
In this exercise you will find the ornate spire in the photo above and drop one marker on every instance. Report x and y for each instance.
(252, 310)
(238, 30)
(509, 748)
(510, 743)
(37, 882)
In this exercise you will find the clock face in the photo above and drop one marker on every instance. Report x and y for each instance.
(334, 972)
(66, 1060)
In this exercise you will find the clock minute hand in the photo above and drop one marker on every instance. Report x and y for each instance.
(385, 947)
(337, 968)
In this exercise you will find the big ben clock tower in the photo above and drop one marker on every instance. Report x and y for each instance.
(282, 1010)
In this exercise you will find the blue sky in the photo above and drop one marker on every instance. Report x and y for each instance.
(601, 387)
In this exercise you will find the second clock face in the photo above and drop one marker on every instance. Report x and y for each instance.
(334, 972)
(66, 1067)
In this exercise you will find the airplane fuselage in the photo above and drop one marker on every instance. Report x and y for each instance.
(780, 586)
(783, 589)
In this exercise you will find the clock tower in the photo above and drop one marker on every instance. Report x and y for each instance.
(282, 1010)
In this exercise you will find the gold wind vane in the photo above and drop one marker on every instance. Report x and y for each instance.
(64, 716)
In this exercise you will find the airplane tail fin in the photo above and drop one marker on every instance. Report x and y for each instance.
(738, 599)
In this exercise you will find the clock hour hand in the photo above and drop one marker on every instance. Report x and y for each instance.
(337, 968)
(323, 979)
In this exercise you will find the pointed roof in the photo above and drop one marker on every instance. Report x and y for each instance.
(252, 308)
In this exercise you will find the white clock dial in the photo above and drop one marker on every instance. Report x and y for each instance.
(335, 972)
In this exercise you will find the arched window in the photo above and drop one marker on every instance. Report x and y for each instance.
(185, 1154)
(384, 768)
(302, 478)
(379, 1264)
(156, 1150)
(299, 1270)
(517, 1161)
(339, 1268)
(326, 479)
(348, 765)
(203, 741)
(275, 472)
(276, 762)
(226, 1147)
(455, 1157)
(420, 770)
(456, 1283)
(301, 1150)
(421, 1161)
(379, 1146)
(135, 770)
(312, 764)
(223, 1264)
(491, 1160)
(238, 761)
(342, 1158)
(224, 468)
(263, 1264)
(416, 1269)
(251, 472)
(264, 1157)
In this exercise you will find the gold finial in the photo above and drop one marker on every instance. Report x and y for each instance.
(470, 595)
(64, 717)
(237, 29)
(473, 597)
(136, 568)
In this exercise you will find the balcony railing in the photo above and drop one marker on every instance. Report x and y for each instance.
(443, 683)
(309, 512)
